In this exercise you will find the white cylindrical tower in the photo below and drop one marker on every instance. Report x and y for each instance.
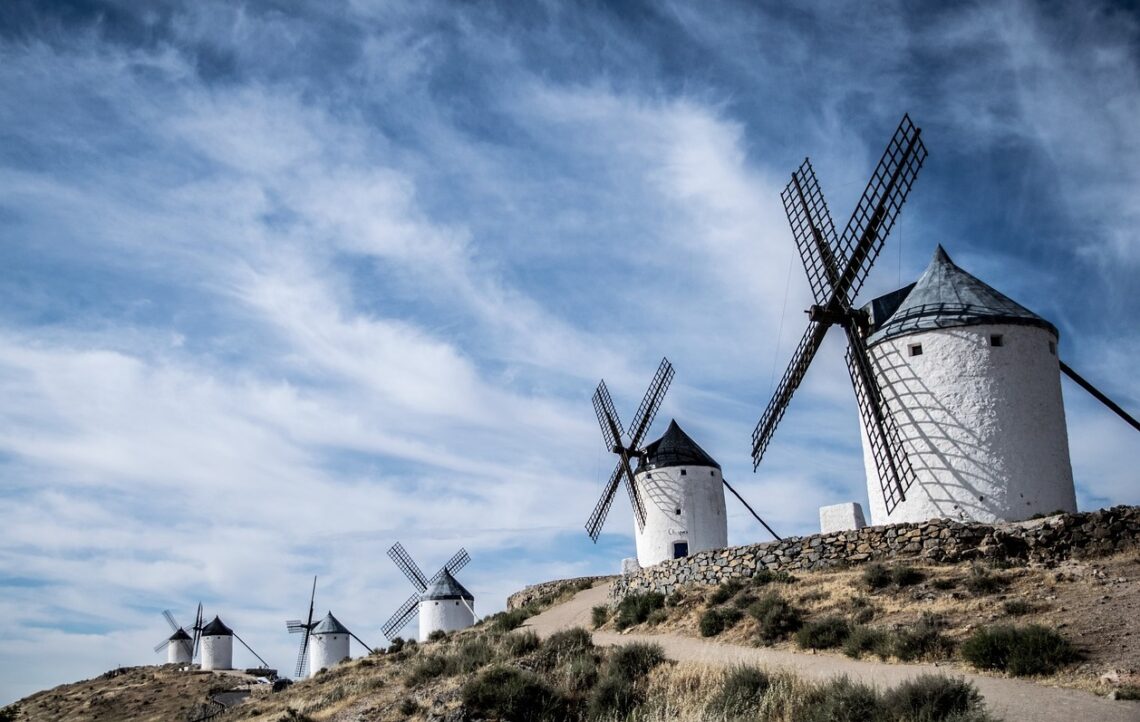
(180, 648)
(683, 493)
(446, 605)
(973, 384)
(217, 646)
(329, 640)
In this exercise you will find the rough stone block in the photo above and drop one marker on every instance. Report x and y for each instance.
(841, 517)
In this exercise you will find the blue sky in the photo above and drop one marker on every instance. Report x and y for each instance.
(284, 283)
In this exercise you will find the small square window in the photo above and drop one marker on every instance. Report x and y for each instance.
(996, 339)
(915, 349)
(683, 472)
(678, 511)
(1053, 347)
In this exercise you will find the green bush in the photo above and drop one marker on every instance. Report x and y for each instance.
(841, 700)
(826, 633)
(711, 623)
(1018, 607)
(437, 635)
(932, 697)
(657, 616)
(924, 640)
(599, 615)
(982, 581)
(396, 645)
(634, 661)
(741, 693)
(10, 713)
(777, 617)
(876, 576)
(408, 707)
(675, 599)
(512, 695)
(580, 672)
(1127, 691)
(864, 615)
(612, 699)
(944, 583)
(906, 576)
(473, 654)
(725, 591)
(731, 615)
(743, 600)
(510, 620)
(516, 644)
(429, 667)
(636, 608)
(564, 645)
(861, 640)
(1018, 650)
(767, 576)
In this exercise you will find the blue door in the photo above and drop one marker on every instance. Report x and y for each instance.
(680, 549)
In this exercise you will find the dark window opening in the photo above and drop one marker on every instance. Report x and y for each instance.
(680, 549)
(996, 339)
(683, 472)
(916, 349)
(1053, 347)
(678, 511)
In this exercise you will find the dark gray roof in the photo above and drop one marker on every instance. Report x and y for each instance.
(217, 629)
(330, 625)
(675, 448)
(446, 587)
(179, 635)
(944, 296)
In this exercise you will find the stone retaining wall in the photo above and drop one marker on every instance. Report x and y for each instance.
(536, 592)
(1042, 541)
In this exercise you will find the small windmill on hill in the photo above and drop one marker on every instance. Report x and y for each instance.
(441, 602)
(180, 647)
(682, 484)
(327, 638)
(836, 267)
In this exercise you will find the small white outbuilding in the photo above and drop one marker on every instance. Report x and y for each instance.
(217, 646)
(445, 605)
(329, 640)
(973, 383)
(683, 493)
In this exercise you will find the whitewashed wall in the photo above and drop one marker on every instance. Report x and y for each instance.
(328, 650)
(217, 652)
(699, 496)
(445, 614)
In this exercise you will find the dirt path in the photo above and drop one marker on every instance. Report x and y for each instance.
(1010, 699)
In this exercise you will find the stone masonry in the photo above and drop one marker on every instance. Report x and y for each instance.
(1041, 541)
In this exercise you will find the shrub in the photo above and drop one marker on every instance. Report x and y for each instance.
(516, 644)
(1018, 607)
(581, 672)
(711, 623)
(408, 707)
(511, 694)
(427, 668)
(906, 576)
(1128, 691)
(437, 635)
(776, 616)
(396, 645)
(1018, 650)
(10, 713)
(473, 654)
(599, 615)
(924, 640)
(510, 620)
(841, 700)
(861, 640)
(932, 697)
(825, 633)
(944, 583)
(636, 608)
(675, 599)
(876, 576)
(741, 601)
(612, 698)
(563, 645)
(767, 576)
(741, 692)
(864, 615)
(981, 581)
(725, 591)
(634, 661)
(731, 615)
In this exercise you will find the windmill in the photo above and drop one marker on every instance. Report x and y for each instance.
(682, 483)
(180, 647)
(330, 640)
(217, 642)
(836, 268)
(441, 602)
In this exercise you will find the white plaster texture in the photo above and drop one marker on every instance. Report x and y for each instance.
(217, 652)
(683, 504)
(446, 614)
(841, 517)
(328, 650)
(180, 651)
(983, 425)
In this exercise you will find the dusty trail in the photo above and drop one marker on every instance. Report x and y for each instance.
(1010, 699)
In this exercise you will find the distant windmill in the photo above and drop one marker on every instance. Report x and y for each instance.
(682, 483)
(836, 268)
(218, 646)
(330, 640)
(180, 647)
(441, 602)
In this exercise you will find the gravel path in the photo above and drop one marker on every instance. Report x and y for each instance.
(1010, 699)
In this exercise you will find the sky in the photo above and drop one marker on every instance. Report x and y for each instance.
(282, 283)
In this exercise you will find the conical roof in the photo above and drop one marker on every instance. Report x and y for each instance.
(217, 629)
(330, 625)
(446, 587)
(179, 635)
(675, 448)
(945, 296)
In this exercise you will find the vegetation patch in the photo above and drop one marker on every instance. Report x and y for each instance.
(636, 608)
(517, 644)
(923, 640)
(512, 695)
(741, 693)
(634, 661)
(1018, 607)
(776, 616)
(767, 576)
(711, 624)
(864, 640)
(1019, 650)
(982, 581)
(725, 591)
(599, 615)
(826, 633)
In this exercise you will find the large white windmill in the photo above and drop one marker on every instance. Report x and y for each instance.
(327, 639)
(217, 643)
(442, 603)
(180, 647)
